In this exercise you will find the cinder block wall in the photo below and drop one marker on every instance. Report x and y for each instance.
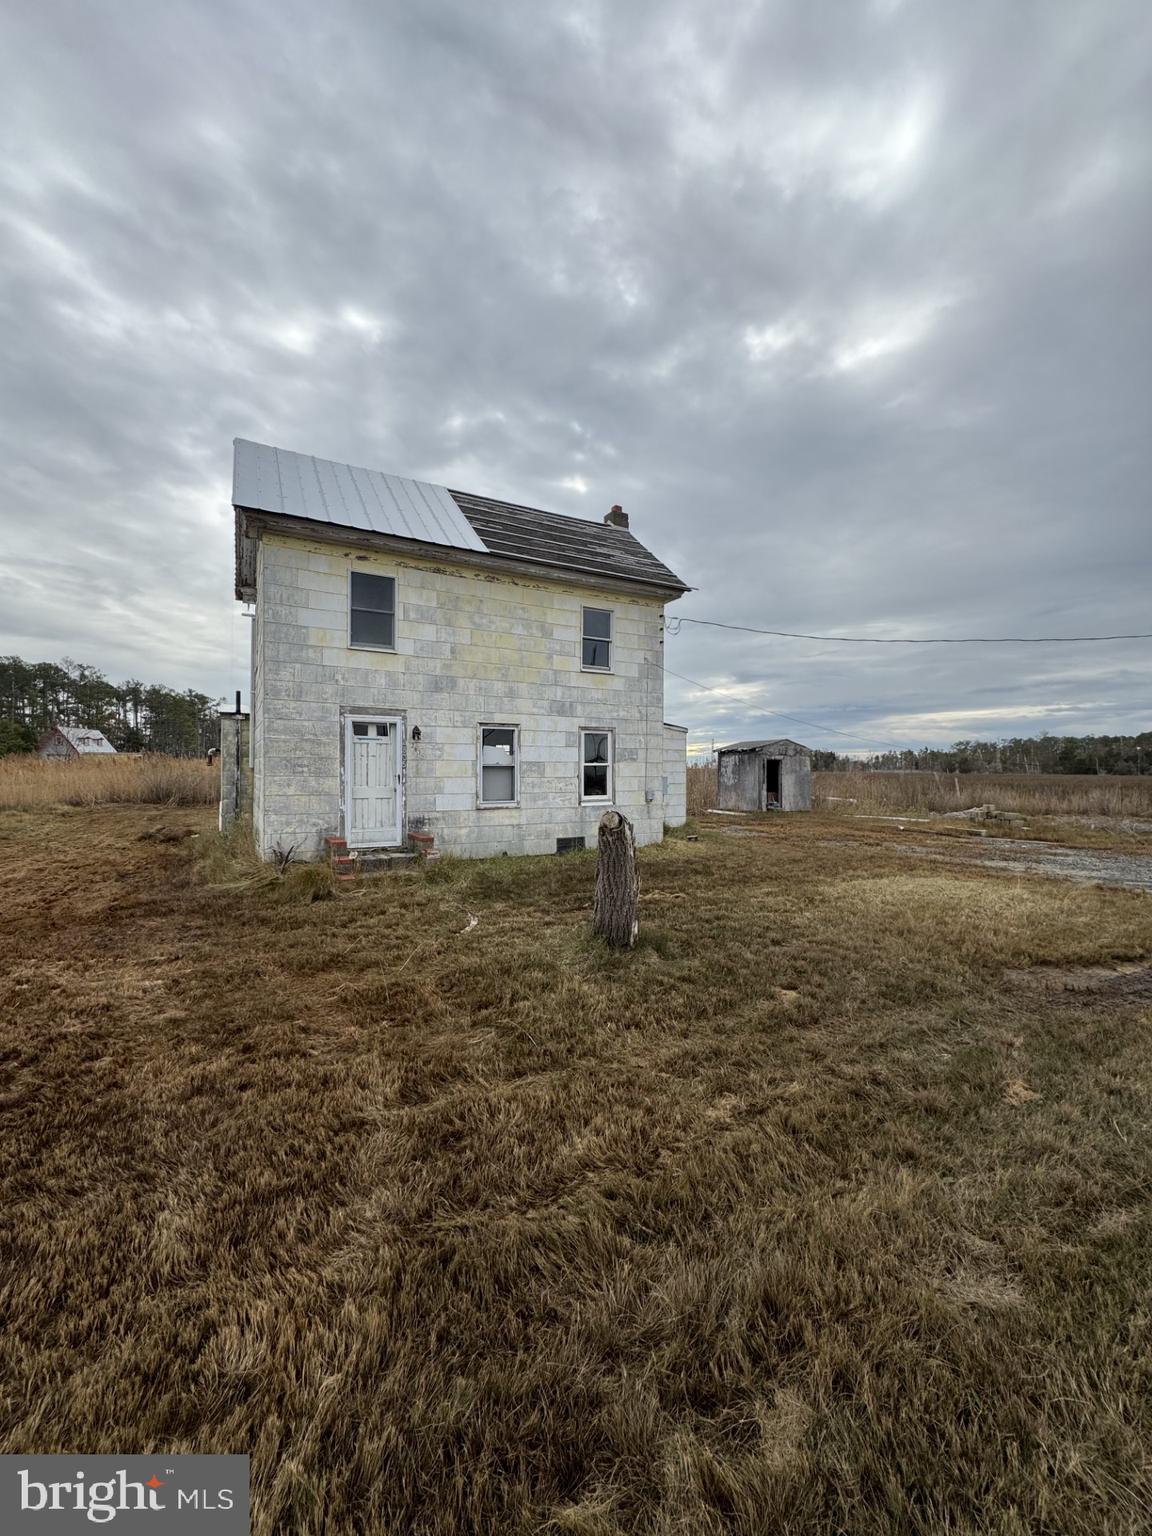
(471, 647)
(675, 775)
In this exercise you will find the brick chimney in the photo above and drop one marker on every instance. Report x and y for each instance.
(617, 518)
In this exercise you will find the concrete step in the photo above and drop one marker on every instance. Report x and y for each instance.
(378, 861)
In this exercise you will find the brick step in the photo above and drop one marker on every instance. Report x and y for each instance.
(344, 869)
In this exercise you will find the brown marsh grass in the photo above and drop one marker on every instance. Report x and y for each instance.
(1051, 794)
(30, 783)
(701, 787)
(1038, 794)
(801, 1217)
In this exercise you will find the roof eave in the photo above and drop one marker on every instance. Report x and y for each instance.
(250, 521)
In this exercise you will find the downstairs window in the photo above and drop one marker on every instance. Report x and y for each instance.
(499, 764)
(596, 765)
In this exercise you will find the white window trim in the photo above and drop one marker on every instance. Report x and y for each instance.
(359, 645)
(611, 612)
(610, 797)
(496, 805)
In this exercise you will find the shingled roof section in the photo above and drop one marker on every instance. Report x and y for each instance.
(572, 543)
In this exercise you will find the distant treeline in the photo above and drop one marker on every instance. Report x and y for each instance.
(1018, 754)
(135, 716)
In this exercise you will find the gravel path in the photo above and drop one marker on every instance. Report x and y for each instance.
(1014, 855)
(1131, 870)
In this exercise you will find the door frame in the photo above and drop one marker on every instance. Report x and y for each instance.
(371, 718)
(767, 764)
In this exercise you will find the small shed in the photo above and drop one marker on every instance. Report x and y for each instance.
(765, 776)
(74, 741)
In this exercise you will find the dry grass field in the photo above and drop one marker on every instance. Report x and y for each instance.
(1051, 794)
(28, 783)
(1035, 794)
(826, 1210)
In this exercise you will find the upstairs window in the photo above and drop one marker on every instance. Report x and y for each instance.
(499, 764)
(595, 765)
(373, 611)
(597, 640)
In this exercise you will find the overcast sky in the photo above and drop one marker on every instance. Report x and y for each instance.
(847, 304)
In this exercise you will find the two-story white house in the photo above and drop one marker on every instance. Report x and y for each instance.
(426, 660)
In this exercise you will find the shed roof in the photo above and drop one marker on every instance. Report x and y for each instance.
(297, 485)
(85, 739)
(782, 744)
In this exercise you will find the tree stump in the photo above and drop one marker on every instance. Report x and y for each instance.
(617, 882)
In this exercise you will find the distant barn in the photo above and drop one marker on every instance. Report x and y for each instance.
(765, 776)
(74, 741)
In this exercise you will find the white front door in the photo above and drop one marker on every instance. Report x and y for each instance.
(372, 766)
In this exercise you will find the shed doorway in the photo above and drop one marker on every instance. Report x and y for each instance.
(771, 783)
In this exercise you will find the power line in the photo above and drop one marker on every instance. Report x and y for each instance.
(788, 634)
(673, 622)
(795, 719)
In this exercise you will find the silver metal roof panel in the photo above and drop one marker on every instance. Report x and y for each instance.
(298, 485)
(783, 746)
(86, 738)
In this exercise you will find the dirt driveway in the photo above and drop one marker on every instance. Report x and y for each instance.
(1013, 855)
(1088, 866)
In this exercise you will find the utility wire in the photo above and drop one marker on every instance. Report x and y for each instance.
(788, 634)
(795, 719)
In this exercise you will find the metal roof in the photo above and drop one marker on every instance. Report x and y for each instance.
(298, 485)
(782, 744)
(85, 739)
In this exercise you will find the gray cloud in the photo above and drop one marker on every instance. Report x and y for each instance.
(851, 317)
